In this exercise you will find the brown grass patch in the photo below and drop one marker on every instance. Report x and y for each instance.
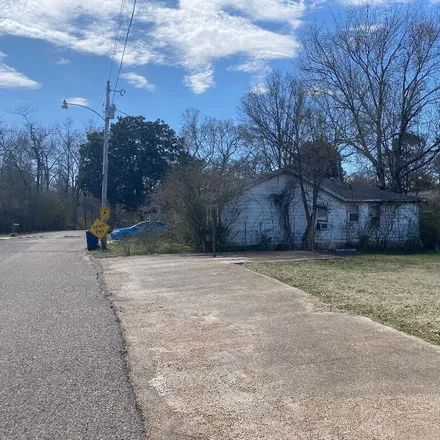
(402, 291)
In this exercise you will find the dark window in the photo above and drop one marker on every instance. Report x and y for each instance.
(322, 218)
(375, 215)
(353, 212)
(321, 226)
(322, 213)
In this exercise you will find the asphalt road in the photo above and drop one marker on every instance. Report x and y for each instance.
(62, 368)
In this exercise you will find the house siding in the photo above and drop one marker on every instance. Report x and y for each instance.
(258, 219)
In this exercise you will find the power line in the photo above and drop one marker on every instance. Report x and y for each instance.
(122, 112)
(125, 46)
(100, 105)
(116, 38)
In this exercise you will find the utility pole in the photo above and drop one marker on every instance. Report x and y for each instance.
(108, 110)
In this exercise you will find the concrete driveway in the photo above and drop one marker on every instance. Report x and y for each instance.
(218, 352)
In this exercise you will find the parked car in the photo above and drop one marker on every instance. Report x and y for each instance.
(142, 228)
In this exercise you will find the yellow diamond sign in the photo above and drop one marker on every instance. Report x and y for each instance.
(104, 213)
(99, 228)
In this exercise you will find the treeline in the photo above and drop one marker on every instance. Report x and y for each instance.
(39, 180)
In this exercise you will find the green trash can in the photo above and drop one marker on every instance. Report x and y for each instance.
(92, 241)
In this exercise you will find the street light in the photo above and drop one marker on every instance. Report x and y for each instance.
(65, 106)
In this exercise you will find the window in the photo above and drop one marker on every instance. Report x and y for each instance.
(322, 213)
(375, 215)
(353, 213)
(322, 218)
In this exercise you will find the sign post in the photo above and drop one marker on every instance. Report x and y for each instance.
(214, 232)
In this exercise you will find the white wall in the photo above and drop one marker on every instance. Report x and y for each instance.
(398, 222)
(256, 217)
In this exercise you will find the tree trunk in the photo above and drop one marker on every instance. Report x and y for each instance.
(310, 232)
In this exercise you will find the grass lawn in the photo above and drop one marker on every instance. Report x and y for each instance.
(134, 247)
(402, 291)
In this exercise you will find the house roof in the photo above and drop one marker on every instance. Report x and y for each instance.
(429, 195)
(349, 192)
(363, 193)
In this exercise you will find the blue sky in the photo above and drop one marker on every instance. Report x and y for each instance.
(180, 53)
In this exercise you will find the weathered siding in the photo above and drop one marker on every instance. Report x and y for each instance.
(257, 218)
(398, 223)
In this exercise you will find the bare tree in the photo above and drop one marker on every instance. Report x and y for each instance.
(208, 180)
(38, 146)
(218, 143)
(275, 118)
(379, 69)
(69, 140)
(39, 186)
(293, 133)
(188, 199)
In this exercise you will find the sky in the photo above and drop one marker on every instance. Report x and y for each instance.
(180, 53)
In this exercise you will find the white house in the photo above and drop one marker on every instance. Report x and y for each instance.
(271, 211)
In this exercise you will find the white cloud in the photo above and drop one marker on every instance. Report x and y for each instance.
(259, 69)
(78, 101)
(10, 78)
(200, 80)
(258, 84)
(192, 34)
(62, 61)
(138, 81)
(269, 10)
(251, 66)
(372, 2)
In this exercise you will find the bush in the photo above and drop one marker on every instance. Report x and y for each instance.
(430, 228)
(162, 242)
(265, 242)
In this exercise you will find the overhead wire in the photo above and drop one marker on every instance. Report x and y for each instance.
(116, 38)
(100, 105)
(126, 114)
(125, 47)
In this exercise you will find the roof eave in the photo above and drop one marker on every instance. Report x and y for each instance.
(382, 200)
(344, 199)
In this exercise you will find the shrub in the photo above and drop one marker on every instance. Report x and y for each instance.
(430, 228)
